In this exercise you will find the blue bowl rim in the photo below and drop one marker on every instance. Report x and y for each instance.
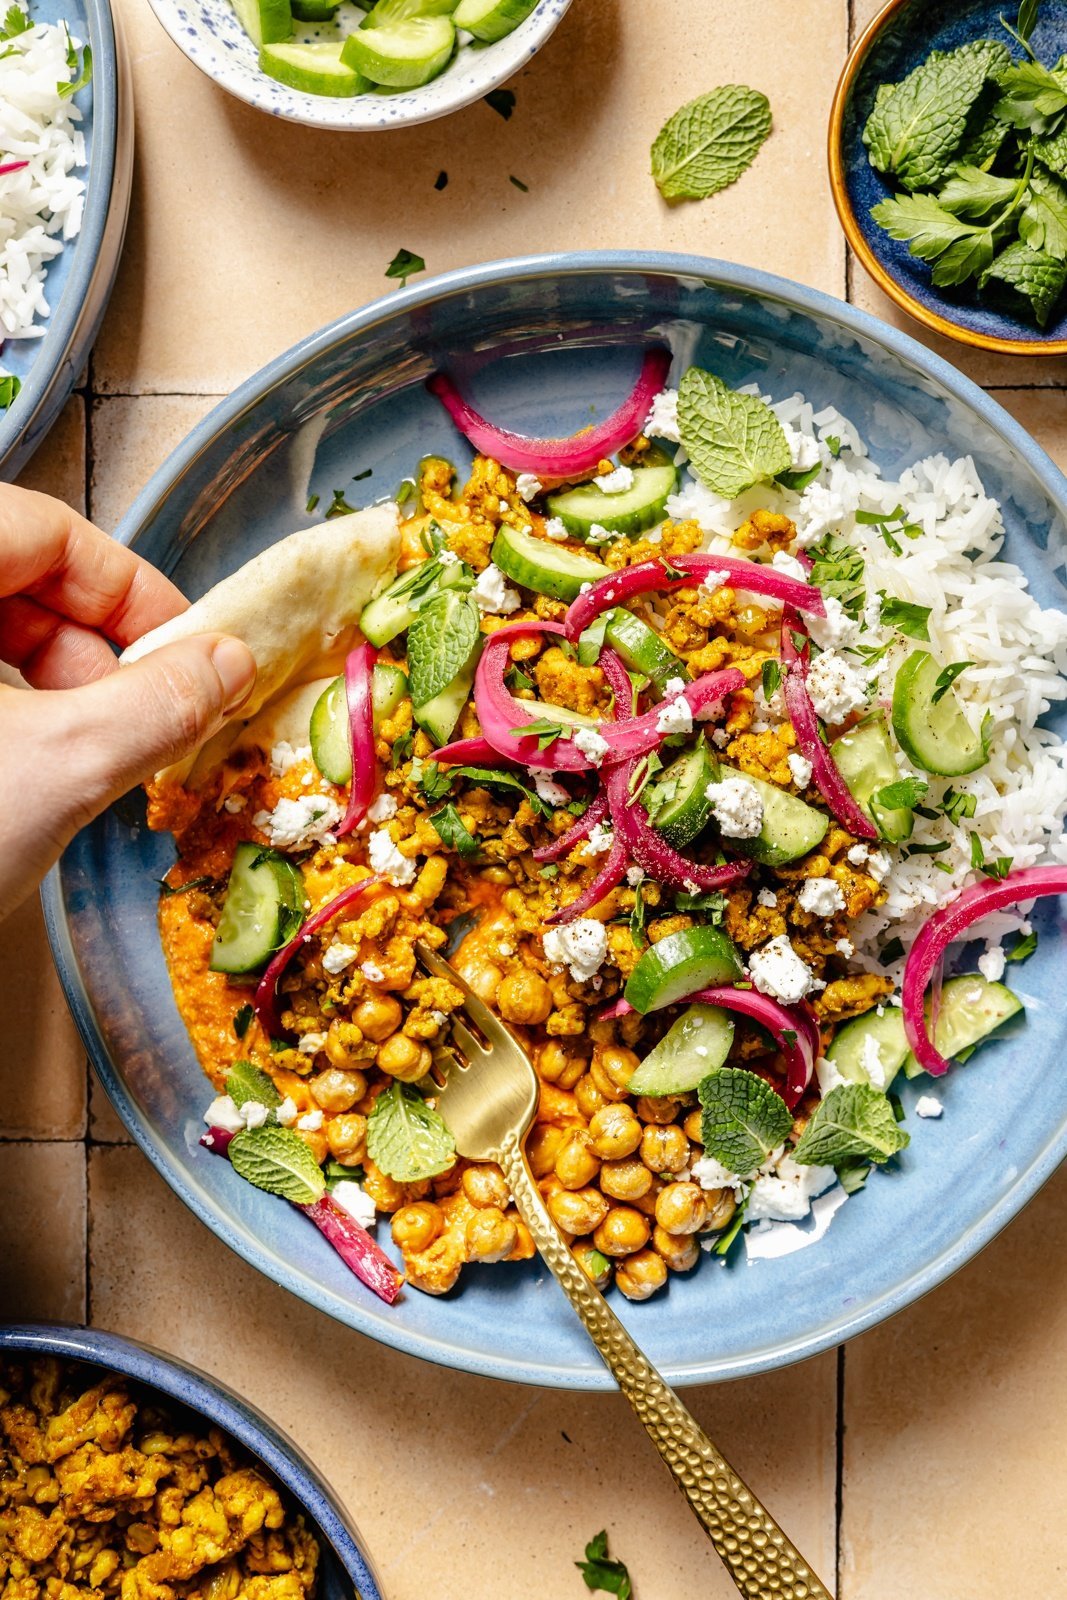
(463, 280)
(220, 1404)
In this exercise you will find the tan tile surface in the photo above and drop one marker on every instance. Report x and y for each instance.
(42, 1257)
(516, 1500)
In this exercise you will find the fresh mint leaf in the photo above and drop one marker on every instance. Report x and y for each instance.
(973, 193)
(441, 638)
(903, 795)
(1051, 151)
(733, 440)
(985, 133)
(1034, 274)
(601, 1572)
(404, 265)
(245, 1081)
(435, 781)
(9, 390)
(406, 1138)
(916, 125)
(1043, 220)
(1023, 947)
(453, 831)
(242, 1020)
(906, 618)
(710, 142)
(277, 1160)
(742, 1119)
(1031, 98)
(853, 1123)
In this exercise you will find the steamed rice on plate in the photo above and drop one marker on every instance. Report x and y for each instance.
(697, 743)
(42, 150)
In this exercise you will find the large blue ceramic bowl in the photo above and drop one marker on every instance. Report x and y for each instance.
(345, 1573)
(351, 398)
(80, 278)
(899, 38)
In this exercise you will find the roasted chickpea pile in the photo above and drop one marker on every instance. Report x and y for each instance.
(107, 1490)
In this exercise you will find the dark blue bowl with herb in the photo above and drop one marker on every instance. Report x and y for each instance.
(949, 117)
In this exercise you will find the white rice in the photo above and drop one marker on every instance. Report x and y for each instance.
(40, 205)
(980, 611)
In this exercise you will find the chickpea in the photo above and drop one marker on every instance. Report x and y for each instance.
(315, 1139)
(617, 1064)
(681, 1208)
(404, 1058)
(665, 1149)
(615, 1132)
(525, 998)
(335, 1090)
(542, 1148)
(389, 1195)
(721, 1204)
(693, 1127)
(658, 1108)
(625, 1180)
(562, 1062)
(681, 1251)
(378, 1017)
(435, 1269)
(483, 977)
(577, 1211)
(485, 1186)
(416, 1227)
(346, 1136)
(641, 1274)
(343, 1041)
(596, 1267)
(490, 1235)
(622, 1231)
(588, 1097)
(577, 1163)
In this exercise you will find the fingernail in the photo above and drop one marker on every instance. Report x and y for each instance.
(236, 667)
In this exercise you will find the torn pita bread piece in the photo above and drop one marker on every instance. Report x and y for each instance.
(297, 606)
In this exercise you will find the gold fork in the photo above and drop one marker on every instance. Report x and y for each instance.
(489, 1098)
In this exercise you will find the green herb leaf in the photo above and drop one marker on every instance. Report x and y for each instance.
(516, 679)
(891, 951)
(453, 831)
(770, 679)
(922, 220)
(16, 21)
(916, 125)
(799, 480)
(838, 570)
(337, 1172)
(853, 1123)
(733, 440)
(9, 390)
(852, 1175)
(601, 1572)
(712, 902)
(591, 640)
(637, 920)
(967, 258)
(277, 1160)
(906, 618)
(403, 265)
(441, 638)
(312, 502)
(707, 145)
(543, 730)
(970, 192)
(402, 749)
(956, 805)
(502, 101)
(742, 1119)
(435, 781)
(833, 444)
(900, 796)
(1024, 946)
(947, 677)
(85, 76)
(339, 506)
(166, 889)
(1031, 97)
(1037, 276)
(1043, 221)
(406, 1138)
(491, 778)
(245, 1081)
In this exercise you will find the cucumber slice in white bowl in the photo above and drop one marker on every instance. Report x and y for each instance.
(491, 19)
(401, 55)
(387, 11)
(315, 68)
(265, 21)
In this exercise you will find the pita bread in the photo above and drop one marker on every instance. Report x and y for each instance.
(296, 606)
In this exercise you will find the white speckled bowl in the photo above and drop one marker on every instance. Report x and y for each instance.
(211, 36)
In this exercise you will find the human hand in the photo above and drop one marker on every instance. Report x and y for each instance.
(66, 589)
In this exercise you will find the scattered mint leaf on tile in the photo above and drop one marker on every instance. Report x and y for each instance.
(733, 440)
(277, 1160)
(406, 1138)
(601, 1573)
(742, 1119)
(403, 265)
(708, 144)
(853, 1123)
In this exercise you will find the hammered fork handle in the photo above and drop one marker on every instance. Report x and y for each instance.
(761, 1560)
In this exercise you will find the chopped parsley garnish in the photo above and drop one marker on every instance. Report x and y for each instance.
(771, 678)
(905, 617)
(1023, 947)
(903, 795)
(637, 920)
(242, 1020)
(890, 952)
(339, 506)
(515, 678)
(833, 444)
(957, 805)
(453, 831)
(403, 265)
(545, 732)
(9, 390)
(947, 678)
(838, 569)
(601, 1572)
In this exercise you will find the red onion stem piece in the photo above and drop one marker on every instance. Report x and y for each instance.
(657, 577)
(595, 812)
(356, 1248)
(359, 667)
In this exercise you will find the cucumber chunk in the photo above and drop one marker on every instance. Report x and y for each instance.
(387, 11)
(391, 611)
(315, 10)
(315, 68)
(864, 758)
(489, 20)
(677, 805)
(697, 1043)
(642, 649)
(401, 55)
(438, 717)
(971, 1008)
(329, 734)
(264, 907)
(640, 507)
(935, 735)
(790, 826)
(264, 21)
(536, 564)
(696, 958)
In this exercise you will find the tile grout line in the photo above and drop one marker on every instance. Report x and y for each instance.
(839, 1470)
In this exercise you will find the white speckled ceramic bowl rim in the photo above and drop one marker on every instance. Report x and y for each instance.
(208, 32)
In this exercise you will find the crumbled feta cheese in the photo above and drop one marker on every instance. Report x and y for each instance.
(837, 627)
(872, 1063)
(439, 1018)
(311, 1121)
(836, 687)
(223, 1113)
(354, 1199)
(675, 686)
(286, 1113)
(846, 948)
(448, 558)
(802, 447)
(799, 769)
(634, 876)
(821, 896)
(786, 1195)
(493, 594)
(738, 807)
(234, 803)
(712, 581)
(858, 854)
(768, 898)
(928, 1105)
(503, 507)
(338, 956)
(711, 1174)
(551, 792)
(878, 864)
(778, 971)
(662, 419)
(372, 972)
(720, 738)
(295, 823)
(991, 963)
(555, 529)
(528, 486)
(382, 807)
(310, 1044)
(580, 945)
(827, 1076)
(598, 534)
(601, 838)
(593, 745)
(387, 859)
(254, 1113)
(819, 509)
(782, 561)
(616, 482)
(675, 716)
(284, 755)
